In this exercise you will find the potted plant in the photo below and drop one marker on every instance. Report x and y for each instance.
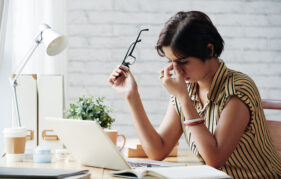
(88, 108)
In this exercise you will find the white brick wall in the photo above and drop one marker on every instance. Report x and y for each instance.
(101, 30)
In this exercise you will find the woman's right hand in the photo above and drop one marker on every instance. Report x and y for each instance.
(123, 81)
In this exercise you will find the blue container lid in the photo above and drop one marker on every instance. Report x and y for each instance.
(42, 150)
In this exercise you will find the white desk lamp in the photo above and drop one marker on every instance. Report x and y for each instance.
(54, 44)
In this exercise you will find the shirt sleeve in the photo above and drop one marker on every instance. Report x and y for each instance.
(245, 89)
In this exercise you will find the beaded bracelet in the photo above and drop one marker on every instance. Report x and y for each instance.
(193, 122)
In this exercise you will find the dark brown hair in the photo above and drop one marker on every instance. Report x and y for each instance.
(188, 34)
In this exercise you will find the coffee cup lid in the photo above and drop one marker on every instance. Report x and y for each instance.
(15, 132)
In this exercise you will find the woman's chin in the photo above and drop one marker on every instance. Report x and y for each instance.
(187, 79)
(190, 80)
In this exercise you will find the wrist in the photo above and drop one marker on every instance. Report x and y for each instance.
(183, 98)
(132, 95)
(188, 108)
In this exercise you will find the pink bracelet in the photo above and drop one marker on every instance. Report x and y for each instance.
(193, 121)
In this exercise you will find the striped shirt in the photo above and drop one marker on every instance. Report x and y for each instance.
(254, 156)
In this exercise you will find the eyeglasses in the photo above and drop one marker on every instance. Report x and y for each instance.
(129, 59)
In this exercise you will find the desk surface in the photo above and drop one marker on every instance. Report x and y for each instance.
(185, 157)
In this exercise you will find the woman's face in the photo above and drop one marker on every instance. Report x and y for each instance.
(194, 69)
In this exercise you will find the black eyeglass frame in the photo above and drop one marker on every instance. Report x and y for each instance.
(131, 49)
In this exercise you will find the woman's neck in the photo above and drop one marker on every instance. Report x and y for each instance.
(205, 83)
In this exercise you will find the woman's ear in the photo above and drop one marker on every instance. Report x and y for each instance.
(210, 50)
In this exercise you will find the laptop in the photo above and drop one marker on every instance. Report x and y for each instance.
(91, 146)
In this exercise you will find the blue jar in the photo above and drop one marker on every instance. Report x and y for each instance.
(42, 154)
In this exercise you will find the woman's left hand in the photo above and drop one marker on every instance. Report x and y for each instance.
(175, 86)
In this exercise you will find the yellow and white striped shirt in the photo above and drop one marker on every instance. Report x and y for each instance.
(254, 156)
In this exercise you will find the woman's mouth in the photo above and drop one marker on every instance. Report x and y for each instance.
(186, 78)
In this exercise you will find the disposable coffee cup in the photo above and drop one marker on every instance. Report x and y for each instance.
(14, 141)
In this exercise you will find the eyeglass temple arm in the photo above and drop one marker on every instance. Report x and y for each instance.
(137, 40)
(123, 62)
(134, 44)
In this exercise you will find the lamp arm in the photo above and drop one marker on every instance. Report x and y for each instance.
(13, 81)
(26, 59)
(15, 99)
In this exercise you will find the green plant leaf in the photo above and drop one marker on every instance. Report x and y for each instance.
(88, 108)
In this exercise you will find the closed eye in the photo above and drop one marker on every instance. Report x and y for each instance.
(182, 63)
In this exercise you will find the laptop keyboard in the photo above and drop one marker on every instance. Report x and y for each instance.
(141, 164)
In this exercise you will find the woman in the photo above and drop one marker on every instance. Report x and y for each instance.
(218, 109)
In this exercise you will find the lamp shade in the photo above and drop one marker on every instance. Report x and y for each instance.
(53, 41)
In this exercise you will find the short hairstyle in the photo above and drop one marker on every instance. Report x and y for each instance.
(188, 34)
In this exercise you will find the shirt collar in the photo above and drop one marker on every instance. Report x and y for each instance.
(218, 82)
(192, 88)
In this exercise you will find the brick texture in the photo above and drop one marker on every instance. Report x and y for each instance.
(100, 32)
